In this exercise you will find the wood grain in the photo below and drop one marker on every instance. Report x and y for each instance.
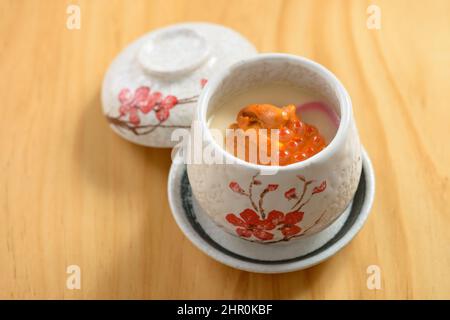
(73, 192)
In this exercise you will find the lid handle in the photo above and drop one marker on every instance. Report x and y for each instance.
(174, 52)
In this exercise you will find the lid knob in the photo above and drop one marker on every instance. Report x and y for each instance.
(173, 52)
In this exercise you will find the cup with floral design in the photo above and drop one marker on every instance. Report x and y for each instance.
(300, 199)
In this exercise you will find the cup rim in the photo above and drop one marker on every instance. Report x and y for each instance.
(345, 107)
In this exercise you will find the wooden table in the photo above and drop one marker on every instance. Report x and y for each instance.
(75, 193)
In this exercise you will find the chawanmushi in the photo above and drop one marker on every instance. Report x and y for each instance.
(296, 141)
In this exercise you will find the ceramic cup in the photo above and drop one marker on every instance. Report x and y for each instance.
(299, 199)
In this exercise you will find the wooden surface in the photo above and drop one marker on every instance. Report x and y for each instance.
(73, 192)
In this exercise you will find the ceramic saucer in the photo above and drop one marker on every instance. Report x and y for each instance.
(267, 258)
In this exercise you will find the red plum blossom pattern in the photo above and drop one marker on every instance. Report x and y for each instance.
(254, 224)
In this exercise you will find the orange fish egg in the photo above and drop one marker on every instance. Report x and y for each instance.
(298, 141)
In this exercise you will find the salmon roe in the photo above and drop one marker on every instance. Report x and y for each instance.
(297, 140)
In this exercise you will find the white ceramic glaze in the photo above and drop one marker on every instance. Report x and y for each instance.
(239, 199)
(152, 87)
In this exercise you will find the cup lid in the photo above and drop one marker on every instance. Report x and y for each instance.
(151, 88)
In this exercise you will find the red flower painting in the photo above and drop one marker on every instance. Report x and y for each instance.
(289, 226)
(143, 101)
(320, 188)
(249, 224)
(254, 223)
(138, 103)
(290, 194)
